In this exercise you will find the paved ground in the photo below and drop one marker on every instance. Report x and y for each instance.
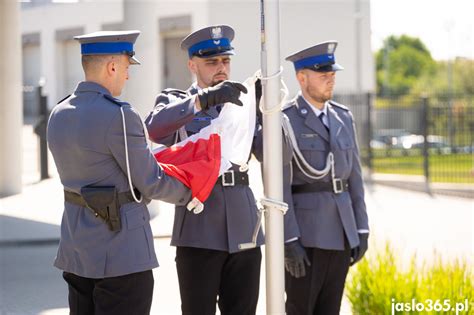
(29, 228)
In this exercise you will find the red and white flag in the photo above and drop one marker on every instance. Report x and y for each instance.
(198, 160)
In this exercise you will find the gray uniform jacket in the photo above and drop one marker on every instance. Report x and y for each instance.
(321, 219)
(85, 136)
(230, 213)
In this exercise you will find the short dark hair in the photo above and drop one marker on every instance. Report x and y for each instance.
(92, 61)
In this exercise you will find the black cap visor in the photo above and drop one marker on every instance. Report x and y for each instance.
(211, 52)
(327, 67)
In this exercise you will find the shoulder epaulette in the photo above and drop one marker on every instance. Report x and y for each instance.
(115, 100)
(175, 92)
(287, 105)
(344, 107)
(290, 104)
(63, 99)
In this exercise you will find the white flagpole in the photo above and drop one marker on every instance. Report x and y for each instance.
(272, 149)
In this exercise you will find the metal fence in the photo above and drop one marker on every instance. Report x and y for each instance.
(430, 136)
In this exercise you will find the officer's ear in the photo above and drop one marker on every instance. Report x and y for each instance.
(111, 67)
(301, 77)
(192, 66)
(112, 64)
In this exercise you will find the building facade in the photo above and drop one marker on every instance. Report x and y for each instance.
(49, 52)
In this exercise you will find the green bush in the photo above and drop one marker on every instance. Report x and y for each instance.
(379, 281)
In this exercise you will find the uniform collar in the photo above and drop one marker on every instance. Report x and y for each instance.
(89, 86)
(196, 87)
(310, 119)
(317, 111)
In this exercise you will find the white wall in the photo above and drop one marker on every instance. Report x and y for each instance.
(69, 70)
(146, 80)
(31, 64)
(31, 69)
(244, 17)
(302, 24)
(48, 19)
(175, 60)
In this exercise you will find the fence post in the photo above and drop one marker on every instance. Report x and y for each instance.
(369, 135)
(40, 130)
(426, 157)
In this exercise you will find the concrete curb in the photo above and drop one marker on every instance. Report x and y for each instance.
(417, 183)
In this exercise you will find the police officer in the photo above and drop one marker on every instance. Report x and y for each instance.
(109, 174)
(326, 227)
(209, 261)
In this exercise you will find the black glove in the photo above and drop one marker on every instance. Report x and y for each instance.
(295, 258)
(226, 91)
(358, 252)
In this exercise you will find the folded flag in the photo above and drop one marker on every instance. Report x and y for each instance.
(198, 160)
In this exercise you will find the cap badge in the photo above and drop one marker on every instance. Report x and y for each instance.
(216, 33)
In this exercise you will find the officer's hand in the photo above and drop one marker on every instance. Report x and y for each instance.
(226, 91)
(295, 259)
(358, 252)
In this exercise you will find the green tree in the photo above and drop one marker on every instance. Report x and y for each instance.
(456, 77)
(400, 63)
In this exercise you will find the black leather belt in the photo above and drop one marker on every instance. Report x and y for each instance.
(232, 178)
(336, 186)
(71, 197)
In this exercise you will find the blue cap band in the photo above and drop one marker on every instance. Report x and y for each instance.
(209, 44)
(314, 60)
(106, 48)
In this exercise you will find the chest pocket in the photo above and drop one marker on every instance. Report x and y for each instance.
(314, 150)
(198, 123)
(312, 143)
(345, 141)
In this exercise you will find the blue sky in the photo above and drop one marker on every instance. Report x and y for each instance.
(446, 27)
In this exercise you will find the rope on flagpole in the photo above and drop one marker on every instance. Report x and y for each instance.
(267, 204)
(284, 90)
(259, 75)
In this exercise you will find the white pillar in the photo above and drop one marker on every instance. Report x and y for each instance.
(48, 47)
(144, 83)
(11, 104)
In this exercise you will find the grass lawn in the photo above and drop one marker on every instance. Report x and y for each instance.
(448, 168)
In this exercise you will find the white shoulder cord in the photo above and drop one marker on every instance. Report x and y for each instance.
(301, 161)
(126, 159)
(299, 158)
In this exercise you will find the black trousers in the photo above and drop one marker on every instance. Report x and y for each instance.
(128, 295)
(320, 291)
(206, 275)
